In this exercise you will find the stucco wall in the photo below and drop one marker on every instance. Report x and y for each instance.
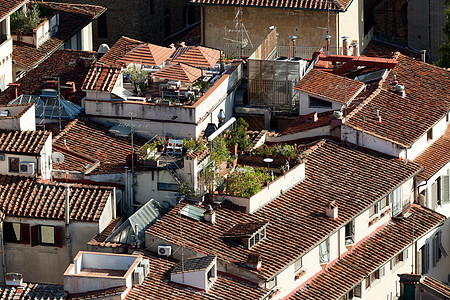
(6, 70)
(305, 109)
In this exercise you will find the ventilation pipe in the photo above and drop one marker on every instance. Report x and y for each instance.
(355, 48)
(345, 45)
(327, 42)
(378, 117)
(292, 54)
(423, 55)
(400, 90)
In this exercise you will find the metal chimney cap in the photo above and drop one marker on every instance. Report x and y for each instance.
(292, 37)
(327, 36)
(209, 208)
(354, 44)
(344, 37)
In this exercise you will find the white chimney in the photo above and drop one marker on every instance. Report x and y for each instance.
(378, 117)
(210, 215)
(332, 210)
(14, 279)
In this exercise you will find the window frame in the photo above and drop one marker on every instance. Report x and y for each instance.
(169, 187)
(430, 134)
(36, 236)
(327, 243)
(10, 159)
(318, 105)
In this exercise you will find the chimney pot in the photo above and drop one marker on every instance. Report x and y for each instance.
(292, 52)
(344, 45)
(378, 117)
(327, 42)
(254, 261)
(400, 90)
(423, 55)
(210, 215)
(355, 48)
(14, 279)
(332, 210)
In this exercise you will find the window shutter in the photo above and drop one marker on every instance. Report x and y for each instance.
(419, 267)
(427, 257)
(357, 291)
(434, 192)
(445, 188)
(58, 237)
(382, 271)
(444, 253)
(435, 250)
(405, 254)
(34, 235)
(427, 198)
(24, 233)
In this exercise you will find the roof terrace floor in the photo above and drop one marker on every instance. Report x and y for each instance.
(102, 272)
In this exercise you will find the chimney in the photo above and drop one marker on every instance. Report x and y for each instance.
(14, 91)
(182, 44)
(210, 215)
(395, 81)
(400, 90)
(378, 117)
(423, 55)
(172, 46)
(327, 43)
(355, 48)
(14, 279)
(254, 261)
(332, 210)
(345, 45)
(292, 52)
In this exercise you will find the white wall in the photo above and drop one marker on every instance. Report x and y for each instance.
(351, 24)
(6, 70)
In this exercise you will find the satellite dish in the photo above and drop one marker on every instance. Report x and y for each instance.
(57, 158)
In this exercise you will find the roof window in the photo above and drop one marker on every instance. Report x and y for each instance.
(247, 234)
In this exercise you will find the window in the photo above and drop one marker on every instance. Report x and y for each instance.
(374, 209)
(171, 187)
(316, 102)
(438, 249)
(2, 83)
(298, 265)
(17, 233)
(102, 26)
(14, 163)
(257, 237)
(46, 235)
(396, 200)
(430, 134)
(324, 251)
(385, 202)
(350, 232)
(423, 258)
(271, 283)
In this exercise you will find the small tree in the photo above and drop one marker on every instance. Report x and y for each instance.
(139, 79)
(25, 20)
(238, 135)
(444, 61)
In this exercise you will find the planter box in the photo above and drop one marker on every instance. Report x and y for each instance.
(41, 33)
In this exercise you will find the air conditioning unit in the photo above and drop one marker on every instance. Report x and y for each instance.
(164, 250)
(2, 157)
(145, 264)
(26, 168)
(138, 275)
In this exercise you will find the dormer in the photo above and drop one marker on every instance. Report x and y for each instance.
(20, 117)
(247, 234)
(199, 273)
(323, 91)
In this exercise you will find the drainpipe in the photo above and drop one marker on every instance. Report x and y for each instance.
(67, 223)
(3, 245)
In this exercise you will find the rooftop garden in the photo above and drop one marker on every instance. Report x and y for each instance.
(24, 21)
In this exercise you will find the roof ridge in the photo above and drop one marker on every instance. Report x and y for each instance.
(365, 102)
(65, 130)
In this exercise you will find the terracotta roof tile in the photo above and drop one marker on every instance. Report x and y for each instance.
(244, 229)
(147, 54)
(435, 156)
(370, 255)
(33, 291)
(404, 120)
(180, 71)
(99, 294)
(99, 239)
(9, 6)
(87, 141)
(437, 286)
(303, 123)
(62, 63)
(381, 49)
(26, 142)
(157, 285)
(329, 86)
(25, 197)
(329, 172)
(193, 264)
(72, 18)
(339, 5)
(118, 50)
(101, 78)
(196, 56)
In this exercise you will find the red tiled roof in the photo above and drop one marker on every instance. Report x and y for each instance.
(329, 86)
(340, 5)
(25, 197)
(99, 294)
(404, 120)
(157, 286)
(101, 78)
(303, 123)
(9, 6)
(435, 156)
(329, 172)
(26, 142)
(118, 50)
(437, 286)
(385, 50)
(180, 72)
(33, 291)
(99, 239)
(370, 255)
(72, 18)
(147, 54)
(196, 56)
(244, 229)
(91, 140)
(62, 63)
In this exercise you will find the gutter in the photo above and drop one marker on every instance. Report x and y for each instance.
(263, 6)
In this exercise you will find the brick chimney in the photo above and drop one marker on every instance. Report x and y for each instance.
(345, 45)
(14, 91)
(327, 43)
(355, 48)
(332, 210)
(254, 261)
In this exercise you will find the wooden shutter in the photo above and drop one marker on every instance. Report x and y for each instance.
(58, 237)
(357, 290)
(34, 235)
(419, 257)
(427, 198)
(434, 192)
(24, 233)
(445, 180)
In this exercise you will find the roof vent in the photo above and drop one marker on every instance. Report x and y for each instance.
(254, 261)
(332, 210)
(4, 113)
(14, 279)
(210, 215)
(337, 114)
(103, 49)
(378, 117)
(400, 90)
(312, 118)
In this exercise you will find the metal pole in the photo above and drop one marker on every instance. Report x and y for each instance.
(59, 105)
